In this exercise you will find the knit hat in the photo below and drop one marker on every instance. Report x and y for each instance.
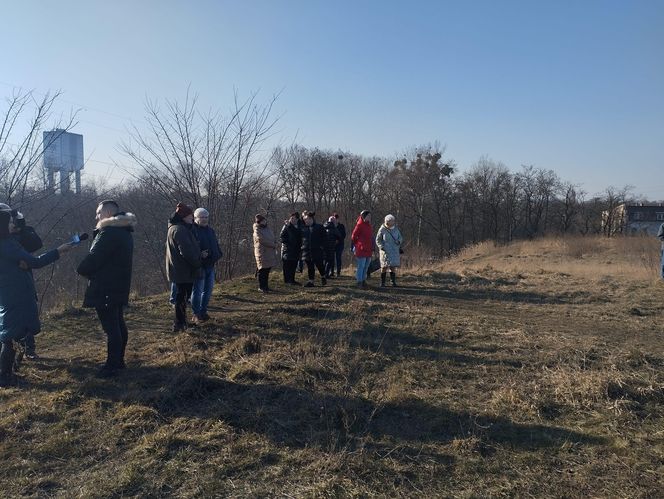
(201, 212)
(332, 219)
(5, 207)
(258, 218)
(364, 214)
(5, 217)
(183, 211)
(390, 219)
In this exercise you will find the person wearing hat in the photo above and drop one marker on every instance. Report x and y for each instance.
(332, 238)
(108, 267)
(389, 241)
(363, 241)
(203, 287)
(265, 245)
(184, 259)
(291, 247)
(313, 248)
(31, 242)
(19, 314)
(339, 250)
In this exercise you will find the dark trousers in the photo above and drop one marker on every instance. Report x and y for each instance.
(181, 299)
(339, 251)
(312, 265)
(289, 267)
(28, 343)
(263, 276)
(113, 323)
(7, 354)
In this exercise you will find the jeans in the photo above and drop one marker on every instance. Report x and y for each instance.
(181, 298)
(362, 268)
(289, 267)
(662, 269)
(339, 251)
(263, 277)
(113, 323)
(200, 296)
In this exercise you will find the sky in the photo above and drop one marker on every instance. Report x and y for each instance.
(572, 86)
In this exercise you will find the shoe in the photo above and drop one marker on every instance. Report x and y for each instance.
(323, 281)
(204, 316)
(365, 285)
(107, 372)
(338, 274)
(31, 354)
(394, 284)
(309, 284)
(179, 327)
(295, 283)
(195, 319)
(263, 290)
(6, 380)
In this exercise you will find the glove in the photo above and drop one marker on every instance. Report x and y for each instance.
(19, 219)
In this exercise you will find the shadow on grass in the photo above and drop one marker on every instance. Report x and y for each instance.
(301, 418)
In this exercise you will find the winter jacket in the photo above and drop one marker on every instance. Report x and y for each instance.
(389, 242)
(108, 265)
(19, 315)
(291, 242)
(362, 238)
(332, 238)
(27, 237)
(183, 252)
(208, 241)
(660, 234)
(313, 243)
(342, 234)
(265, 245)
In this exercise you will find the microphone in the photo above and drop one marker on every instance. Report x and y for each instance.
(76, 239)
(84, 236)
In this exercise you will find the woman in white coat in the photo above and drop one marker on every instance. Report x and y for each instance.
(389, 241)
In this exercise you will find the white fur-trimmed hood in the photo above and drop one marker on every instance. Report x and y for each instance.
(120, 220)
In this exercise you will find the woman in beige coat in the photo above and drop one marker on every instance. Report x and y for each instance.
(265, 245)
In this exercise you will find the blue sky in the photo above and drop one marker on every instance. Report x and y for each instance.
(574, 86)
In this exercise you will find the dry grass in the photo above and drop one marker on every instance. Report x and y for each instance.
(528, 370)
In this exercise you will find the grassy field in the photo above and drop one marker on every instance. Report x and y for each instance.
(535, 369)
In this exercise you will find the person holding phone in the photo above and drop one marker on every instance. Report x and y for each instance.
(19, 314)
(108, 267)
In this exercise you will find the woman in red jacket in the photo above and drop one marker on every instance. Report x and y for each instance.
(362, 238)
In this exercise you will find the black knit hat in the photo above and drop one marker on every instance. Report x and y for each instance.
(5, 217)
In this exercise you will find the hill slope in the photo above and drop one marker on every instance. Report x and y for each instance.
(473, 379)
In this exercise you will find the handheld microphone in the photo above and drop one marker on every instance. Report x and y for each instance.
(76, 239)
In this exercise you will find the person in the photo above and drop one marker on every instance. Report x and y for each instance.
(31, 242)
(389, 241)
(660, 235)
(108, 267)
(340, 244)
(332, 237)
(313, 248)
(200, 297)
(265, 245)
(19, 314)
(362, 238)
(291, 247)
(183, 260)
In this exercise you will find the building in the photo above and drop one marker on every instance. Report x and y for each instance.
(634, 219)
(63, 154)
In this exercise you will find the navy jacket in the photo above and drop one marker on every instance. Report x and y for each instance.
(19, 315)
(208, 241)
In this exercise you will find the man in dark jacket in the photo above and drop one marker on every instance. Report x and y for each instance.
(184, 259)
(340, 244)
(313, 248)
(332, 237)
(200, 297)
(291, 247)
(31, 242)
(108, 267)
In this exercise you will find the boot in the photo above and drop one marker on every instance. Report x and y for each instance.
(382, 279)
(393, 278)
(7, 364)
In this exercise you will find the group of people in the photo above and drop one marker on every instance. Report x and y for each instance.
(107, 266)
(320, 247)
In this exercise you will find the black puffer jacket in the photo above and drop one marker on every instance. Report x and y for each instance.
(332, 238)
(291, 242)
(313, 243)
(108, 266)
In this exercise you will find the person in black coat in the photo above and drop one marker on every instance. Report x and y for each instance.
(31, 242)
(339, 250)
(108, 267)
(332, 237)
(291, 247)
(313, 247)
